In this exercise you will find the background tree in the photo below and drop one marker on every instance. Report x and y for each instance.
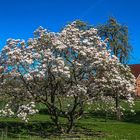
(118, 38)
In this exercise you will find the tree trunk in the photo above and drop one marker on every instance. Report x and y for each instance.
(56, 122)
(71, 123)
(118, 113)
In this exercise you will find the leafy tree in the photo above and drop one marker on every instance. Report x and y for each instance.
(118, 39)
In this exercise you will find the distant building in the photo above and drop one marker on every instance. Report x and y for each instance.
(136, 71)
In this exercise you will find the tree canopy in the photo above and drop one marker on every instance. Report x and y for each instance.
(118, 38)
(64, 71)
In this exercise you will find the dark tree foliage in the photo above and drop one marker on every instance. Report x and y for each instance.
(118, 39)
(83, 25)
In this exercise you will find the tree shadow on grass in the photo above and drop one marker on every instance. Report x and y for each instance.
(44, 130)
(132, 118)
(14, 129)
(100, 115)
(127, 117)
(87, 131)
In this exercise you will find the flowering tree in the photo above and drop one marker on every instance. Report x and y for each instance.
(64, 71)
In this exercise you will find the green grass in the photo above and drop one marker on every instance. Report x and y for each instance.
(90, 127)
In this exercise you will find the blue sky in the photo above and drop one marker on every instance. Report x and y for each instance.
(19, 18)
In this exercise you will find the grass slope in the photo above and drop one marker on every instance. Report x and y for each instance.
(91, 127)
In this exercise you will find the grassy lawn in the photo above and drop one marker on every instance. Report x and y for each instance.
(91, 127)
